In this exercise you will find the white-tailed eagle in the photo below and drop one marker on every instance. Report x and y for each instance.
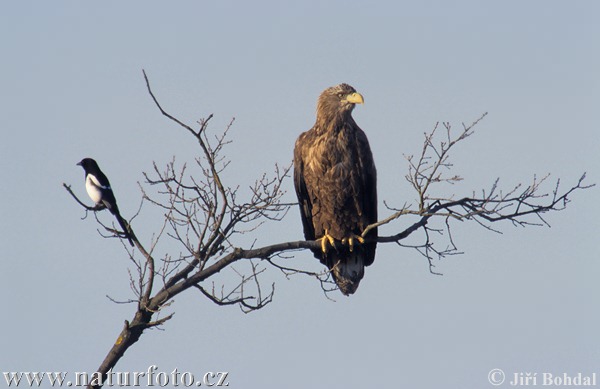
(336, 185)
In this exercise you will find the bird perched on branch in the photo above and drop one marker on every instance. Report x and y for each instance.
(336, 185)
(99, 190)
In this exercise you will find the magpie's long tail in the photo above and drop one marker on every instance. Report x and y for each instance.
(124, 226)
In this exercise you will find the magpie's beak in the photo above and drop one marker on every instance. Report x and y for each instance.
(78, 163)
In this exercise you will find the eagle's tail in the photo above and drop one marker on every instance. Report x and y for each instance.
(348, 269)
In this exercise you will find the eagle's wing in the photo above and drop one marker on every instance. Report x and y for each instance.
(369, 192)
(301, 191)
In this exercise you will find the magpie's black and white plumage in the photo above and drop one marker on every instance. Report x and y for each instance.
(99, 190)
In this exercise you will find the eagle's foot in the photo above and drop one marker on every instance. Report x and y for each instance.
(326, 239)
(351, 241)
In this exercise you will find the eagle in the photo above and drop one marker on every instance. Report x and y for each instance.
(336, 184)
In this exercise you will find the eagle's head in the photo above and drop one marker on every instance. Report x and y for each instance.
(336, 103)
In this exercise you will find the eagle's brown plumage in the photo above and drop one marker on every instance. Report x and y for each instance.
(336, 184)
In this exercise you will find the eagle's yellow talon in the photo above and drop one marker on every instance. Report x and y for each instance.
(351, 240)
(325, 239)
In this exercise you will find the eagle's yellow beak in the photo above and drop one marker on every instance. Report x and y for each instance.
(355, 98)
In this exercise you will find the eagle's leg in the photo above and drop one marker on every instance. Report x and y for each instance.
(351, 241)
(326, 239)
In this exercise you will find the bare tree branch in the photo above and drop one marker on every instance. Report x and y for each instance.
(204, 217)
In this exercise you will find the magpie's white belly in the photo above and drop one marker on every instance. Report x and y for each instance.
(93, 189)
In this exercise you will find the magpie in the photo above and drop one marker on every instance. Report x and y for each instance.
(98, 188)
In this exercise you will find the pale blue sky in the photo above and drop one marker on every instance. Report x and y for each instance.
(71, 87)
